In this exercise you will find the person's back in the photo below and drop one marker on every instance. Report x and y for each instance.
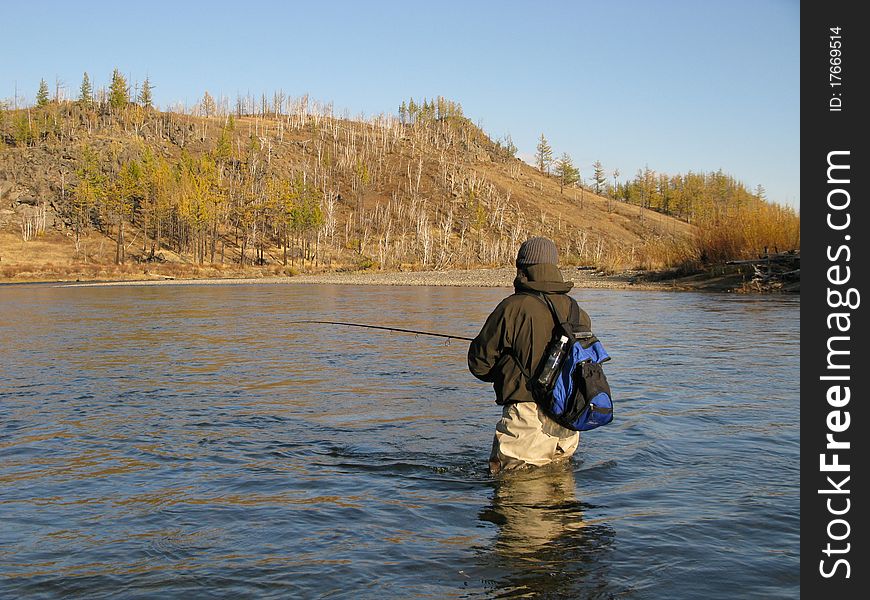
(517, 333)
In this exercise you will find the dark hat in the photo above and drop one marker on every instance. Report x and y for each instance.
(537, 250)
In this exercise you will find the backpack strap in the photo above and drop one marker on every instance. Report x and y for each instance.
(570, 325)
(567, 326)
(573, 311)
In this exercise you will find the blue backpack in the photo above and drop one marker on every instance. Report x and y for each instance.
(578, 397)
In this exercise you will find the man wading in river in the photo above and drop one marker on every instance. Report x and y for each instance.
(518, 330)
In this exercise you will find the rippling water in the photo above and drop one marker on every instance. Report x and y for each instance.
(191, 440)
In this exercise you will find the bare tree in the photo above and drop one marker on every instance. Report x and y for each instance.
(207, 105)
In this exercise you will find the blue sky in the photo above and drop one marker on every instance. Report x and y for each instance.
(672, 84)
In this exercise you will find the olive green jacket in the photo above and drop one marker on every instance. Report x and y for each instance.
(519, 329)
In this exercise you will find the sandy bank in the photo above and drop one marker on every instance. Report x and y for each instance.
(502, 277)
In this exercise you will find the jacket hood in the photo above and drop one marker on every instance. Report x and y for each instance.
(542, 277)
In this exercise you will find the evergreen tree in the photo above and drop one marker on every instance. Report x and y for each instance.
(544, 155)
(145, 95)
(86, 92)
(566, 172)
(760, 192)
(119, 92)
(42, 94)
(598, 176)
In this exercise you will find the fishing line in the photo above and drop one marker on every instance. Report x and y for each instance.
(442, 335)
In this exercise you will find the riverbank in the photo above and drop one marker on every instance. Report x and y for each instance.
(499, 277)
(726, 280)
(502, 277)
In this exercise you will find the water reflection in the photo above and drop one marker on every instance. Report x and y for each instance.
(544, 545)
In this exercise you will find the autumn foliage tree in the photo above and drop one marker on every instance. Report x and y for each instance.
(124, 191)
(88, 193)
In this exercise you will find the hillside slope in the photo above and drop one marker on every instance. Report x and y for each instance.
(188, 195)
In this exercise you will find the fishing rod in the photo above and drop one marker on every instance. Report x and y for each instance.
(442, 335)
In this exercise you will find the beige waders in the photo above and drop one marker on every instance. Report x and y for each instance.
(526, 436)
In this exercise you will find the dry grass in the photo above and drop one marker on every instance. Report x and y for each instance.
(748, 233)
(53, 257)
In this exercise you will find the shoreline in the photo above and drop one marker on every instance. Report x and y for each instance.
(492, 277)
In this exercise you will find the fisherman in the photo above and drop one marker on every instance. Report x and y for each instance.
(518, 331)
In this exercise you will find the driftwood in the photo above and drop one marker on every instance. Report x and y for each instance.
(774, 272)
(789, 257)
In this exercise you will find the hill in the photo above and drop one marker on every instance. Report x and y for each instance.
(87, 191)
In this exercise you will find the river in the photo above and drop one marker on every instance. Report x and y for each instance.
(192, 441)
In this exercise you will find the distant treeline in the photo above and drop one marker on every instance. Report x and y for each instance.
(732, 221)
(428, 110)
